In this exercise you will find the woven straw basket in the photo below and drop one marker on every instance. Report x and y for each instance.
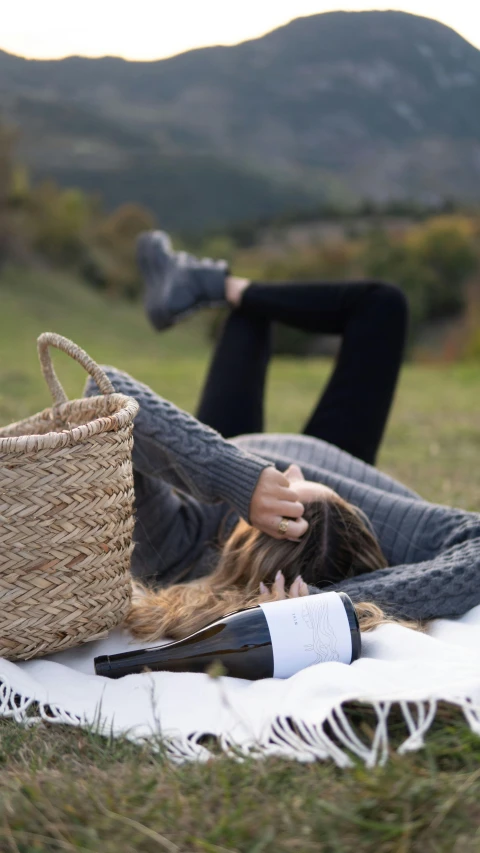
(66, 516)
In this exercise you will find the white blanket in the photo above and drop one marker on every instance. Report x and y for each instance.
(301, 717)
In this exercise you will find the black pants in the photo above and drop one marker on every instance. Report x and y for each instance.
(371, 318)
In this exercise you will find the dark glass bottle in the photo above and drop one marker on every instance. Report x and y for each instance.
(269, 640)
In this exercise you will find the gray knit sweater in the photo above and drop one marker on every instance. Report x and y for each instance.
(190, 484)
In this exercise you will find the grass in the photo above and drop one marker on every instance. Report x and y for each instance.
(68, 790)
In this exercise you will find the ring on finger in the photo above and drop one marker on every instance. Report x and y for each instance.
(283, 526)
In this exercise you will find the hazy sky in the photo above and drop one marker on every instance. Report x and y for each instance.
(151, 29)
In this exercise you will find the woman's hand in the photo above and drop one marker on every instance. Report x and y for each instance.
(274, 499)
(306, 490)
(278, 591)
(294, 473)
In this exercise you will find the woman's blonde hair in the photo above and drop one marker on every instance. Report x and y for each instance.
(337, 545)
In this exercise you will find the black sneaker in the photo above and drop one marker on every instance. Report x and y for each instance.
(176, 283)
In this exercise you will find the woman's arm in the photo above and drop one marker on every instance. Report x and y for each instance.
(171, 445)
(308, 451)
(446, 586)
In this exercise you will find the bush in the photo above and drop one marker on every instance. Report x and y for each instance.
(432, 263)
(388, 259)
(334, 261)
(445, 247)
(59, 223)
(110, 257)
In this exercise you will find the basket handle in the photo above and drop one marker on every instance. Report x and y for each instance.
(50, 339)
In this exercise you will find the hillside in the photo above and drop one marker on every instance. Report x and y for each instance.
(112, 331)
(377, 104)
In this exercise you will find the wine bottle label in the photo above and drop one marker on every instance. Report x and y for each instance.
(307, 630)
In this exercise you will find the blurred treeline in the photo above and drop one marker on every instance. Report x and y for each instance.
(436, 261)
(41, 223)
(434, 258)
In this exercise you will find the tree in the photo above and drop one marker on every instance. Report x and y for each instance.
(111, 256)
(60, 223)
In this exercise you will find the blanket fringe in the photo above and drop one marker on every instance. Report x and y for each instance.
(335, 738)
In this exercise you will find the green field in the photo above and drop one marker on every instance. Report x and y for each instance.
(66, 790)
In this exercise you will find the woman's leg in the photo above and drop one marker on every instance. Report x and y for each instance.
(371, 318)
(232, 400)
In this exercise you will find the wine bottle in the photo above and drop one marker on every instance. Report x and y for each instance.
(275, 639)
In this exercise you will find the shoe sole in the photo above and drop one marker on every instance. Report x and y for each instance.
(147, 259)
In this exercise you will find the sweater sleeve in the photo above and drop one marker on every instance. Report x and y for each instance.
(318, 457)
(446, 586)
(172, 445)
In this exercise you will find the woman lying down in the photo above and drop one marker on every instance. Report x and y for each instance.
(223, 522)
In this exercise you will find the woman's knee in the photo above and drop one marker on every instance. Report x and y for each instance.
(391, 296)
(391, 301)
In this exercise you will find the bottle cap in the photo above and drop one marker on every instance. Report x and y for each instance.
(102, 666)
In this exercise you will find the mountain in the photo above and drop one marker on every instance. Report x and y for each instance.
(343, 104)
